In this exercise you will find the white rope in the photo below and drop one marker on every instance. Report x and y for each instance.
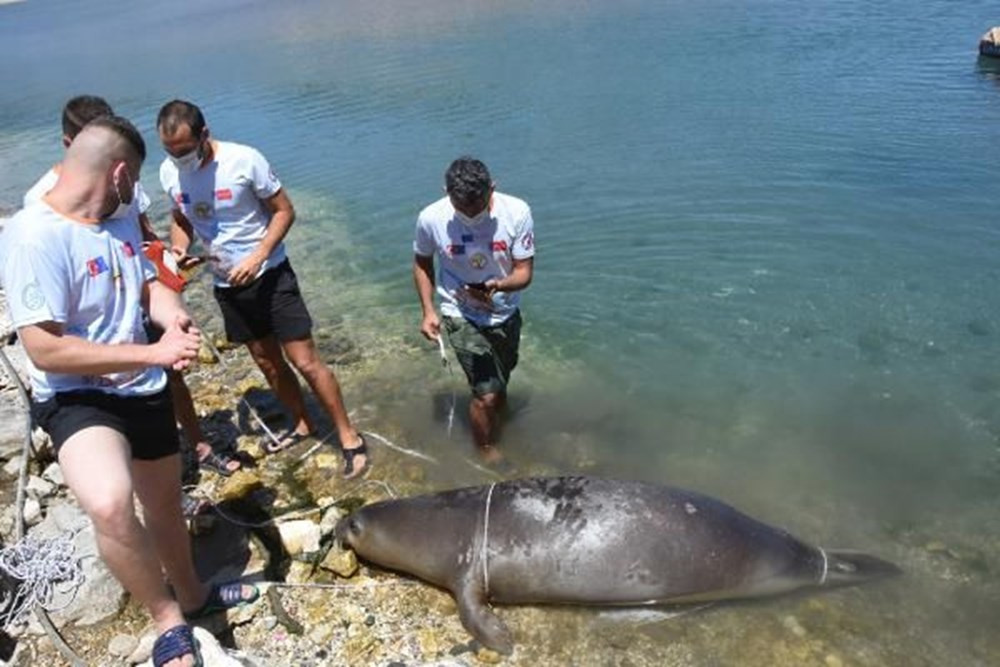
(486, 539)
(44, 570)
(451, 375)
(342, 587)
(402, 450)
(826, 566)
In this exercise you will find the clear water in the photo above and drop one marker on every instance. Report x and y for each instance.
(766, 246)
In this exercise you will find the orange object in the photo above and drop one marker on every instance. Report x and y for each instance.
(166, 268)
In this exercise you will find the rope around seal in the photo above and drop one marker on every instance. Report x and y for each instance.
(826, 566)
(486, 539)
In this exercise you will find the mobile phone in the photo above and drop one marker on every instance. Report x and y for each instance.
(476, 286)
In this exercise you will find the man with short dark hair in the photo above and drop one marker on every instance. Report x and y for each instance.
(485, 243)
(77, 285)
(227, 195)
(77, 113)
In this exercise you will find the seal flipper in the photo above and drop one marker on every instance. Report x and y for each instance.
(479, 619)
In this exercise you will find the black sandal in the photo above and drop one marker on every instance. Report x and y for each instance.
(175, 643)
(351, 454)
(218, 462)
(285, 441)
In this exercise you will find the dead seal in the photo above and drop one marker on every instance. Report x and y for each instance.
(583, 540)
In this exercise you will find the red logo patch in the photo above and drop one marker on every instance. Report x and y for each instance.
(224, 194)
(128, 249)
(499, 246)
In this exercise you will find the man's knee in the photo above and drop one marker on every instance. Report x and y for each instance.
(112, 514)
(489, 401)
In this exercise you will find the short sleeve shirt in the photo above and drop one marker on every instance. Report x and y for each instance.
(140, 201)
(224, 202)
(474, 254)
(87, 277)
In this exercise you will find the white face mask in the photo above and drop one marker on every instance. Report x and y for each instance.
(473, 221)
(123, 206)
(187, 162)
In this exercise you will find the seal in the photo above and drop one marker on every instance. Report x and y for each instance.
(591, 541)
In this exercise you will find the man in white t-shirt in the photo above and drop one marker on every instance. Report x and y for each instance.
(227, 196)
(77, 112)
(484, 241)
(77, 285)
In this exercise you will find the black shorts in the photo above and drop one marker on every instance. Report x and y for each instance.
(147, 422)
(270, 305)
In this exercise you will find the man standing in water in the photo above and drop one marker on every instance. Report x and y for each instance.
(77, 286)
(77, 112)
(227, 195)
(486, 246)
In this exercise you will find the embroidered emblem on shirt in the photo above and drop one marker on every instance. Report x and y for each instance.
(203, 209)
(183, 198)
(128, 249)
(477, 261)
(468, 238)
(224, 195)
(529, 240)
(456, 249)
(32, 297)
(499, 246)
(96, 266)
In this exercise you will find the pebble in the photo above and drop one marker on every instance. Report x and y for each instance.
(32, 512)
(122, 645)
(299, 537)
(792, 625)
(143, 649)
(13, 467)
(39, 488)
(342, 562)
(54, 474)
(833, 661)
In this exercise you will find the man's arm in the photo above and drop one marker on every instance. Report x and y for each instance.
(518, 279)
(423, 279)
(53, 352)
(282, 217)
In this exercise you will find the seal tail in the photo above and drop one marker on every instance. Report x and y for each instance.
(841, 567)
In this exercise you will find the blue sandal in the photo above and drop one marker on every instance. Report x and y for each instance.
(223, 597)
(175, 643)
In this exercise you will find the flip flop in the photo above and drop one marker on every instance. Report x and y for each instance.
(223, 597)
(286, 440)
(217, 462)
(176, 642)
(351, 454)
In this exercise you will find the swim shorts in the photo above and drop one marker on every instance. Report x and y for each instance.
(486, 354)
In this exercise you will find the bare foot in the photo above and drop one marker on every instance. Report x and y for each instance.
(490, 454)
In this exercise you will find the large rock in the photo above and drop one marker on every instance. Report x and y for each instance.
(100, 597)
(989, 44)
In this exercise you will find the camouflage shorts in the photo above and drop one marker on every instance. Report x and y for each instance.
(487, 354)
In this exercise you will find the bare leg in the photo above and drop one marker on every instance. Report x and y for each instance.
(188, 418)
(266, 352)
(304, 356)
(97, 467)
(484, 416)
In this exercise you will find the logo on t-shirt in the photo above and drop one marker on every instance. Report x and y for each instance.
(499, 246)
(529, 240)
(32, 297)
(96, 266)
(203, 209)
(224, 195)
(128, 249)
(477, 261)
(456, 249)
(183, 198)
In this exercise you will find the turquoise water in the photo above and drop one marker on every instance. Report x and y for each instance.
(766, 241)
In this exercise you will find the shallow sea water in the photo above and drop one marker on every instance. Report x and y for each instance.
(766, 259)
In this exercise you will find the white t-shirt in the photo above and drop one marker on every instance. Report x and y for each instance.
(89, 278)
(140, 202)
(474, 254)
(224, 202)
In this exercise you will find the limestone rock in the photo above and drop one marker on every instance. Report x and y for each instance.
(32, 511)
(143, 649)
(299, 537)
(39, 488)
(330, 519)
(239, 485)
(53, 473)
(341, 562)
(122, 645)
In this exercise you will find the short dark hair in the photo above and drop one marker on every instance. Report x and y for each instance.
(124, 129)
(175, 113)
(468, 180)
(81, 110)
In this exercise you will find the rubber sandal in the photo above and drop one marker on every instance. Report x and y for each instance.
(223, 597)
(175, 643)
(286, 440)
(351, 454)
(191, 506)
(217, 462)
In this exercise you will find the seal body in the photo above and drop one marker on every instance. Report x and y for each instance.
(582, 540)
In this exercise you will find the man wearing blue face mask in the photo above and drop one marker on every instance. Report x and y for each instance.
(485, 243)
(227, 196)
